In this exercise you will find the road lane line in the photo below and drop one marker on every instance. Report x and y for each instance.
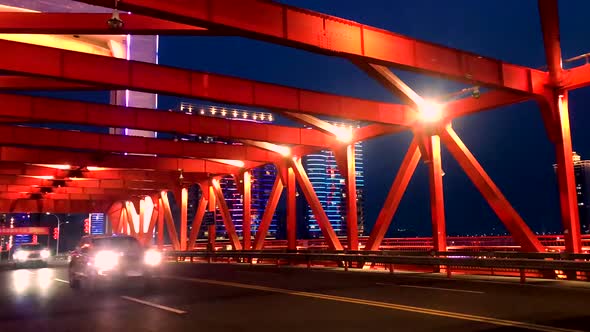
(400, 307)
(433, 288)
(155, 305)
(61, 280)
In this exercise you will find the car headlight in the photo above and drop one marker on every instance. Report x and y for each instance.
(45, 253)
(21, 255)
(106, 260)
(152, 257)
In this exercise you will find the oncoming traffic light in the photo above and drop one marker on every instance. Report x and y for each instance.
(55, 233)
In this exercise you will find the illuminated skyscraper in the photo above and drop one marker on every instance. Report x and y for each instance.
(330, 188)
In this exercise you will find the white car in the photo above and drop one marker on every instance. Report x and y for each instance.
(29, 254)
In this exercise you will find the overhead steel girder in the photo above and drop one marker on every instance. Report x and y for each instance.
(53, 206)
(318, 32)
(74, 173)
(128, 144)
(73, 197)
(98, 159)
(45, 110)
(576, 78)
(13, 189)
(24, 182)
(92, 24)
(113, 73)
(27, 83)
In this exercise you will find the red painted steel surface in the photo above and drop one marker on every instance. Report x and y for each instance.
(115, 73)
(38, 109)
(91, 24)
(290, 26)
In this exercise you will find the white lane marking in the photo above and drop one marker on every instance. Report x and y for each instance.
(155, 305)
(434, 288)
(61, 280)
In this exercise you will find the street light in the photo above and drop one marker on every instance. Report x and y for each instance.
(59, 223)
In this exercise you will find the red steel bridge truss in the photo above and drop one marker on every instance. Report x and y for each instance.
(101, 176)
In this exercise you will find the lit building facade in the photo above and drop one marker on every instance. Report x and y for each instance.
(582, 175)
(262, 177)
(330, 188)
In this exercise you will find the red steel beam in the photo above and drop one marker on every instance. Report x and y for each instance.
(576, 78)
(269, 211)
(549, 14)
(160, 232)
(92, 24)
(183, 218)
(73, 197)
(291, 210)
(514, 223)
(197, 221)
(318, 32)
(437, 204)
(25, 83)
(394, 196)
(64, 139)
(44, 156)
(169, 220)
(119, 74)
(86, 184)
(315, 205)
(566, 178)
(38, 109)
(345, 159)
(247, 210)
(53, 206)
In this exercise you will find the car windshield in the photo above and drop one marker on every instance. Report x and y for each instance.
(30, 247)
(117, 243)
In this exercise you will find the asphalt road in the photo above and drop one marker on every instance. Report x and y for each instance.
(220, 297)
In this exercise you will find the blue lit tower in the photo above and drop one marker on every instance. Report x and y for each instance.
(330, 187)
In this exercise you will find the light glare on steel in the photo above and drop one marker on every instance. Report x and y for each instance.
(430, 111)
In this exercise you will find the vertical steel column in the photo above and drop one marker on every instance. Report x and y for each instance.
(437, 204)
(197, 222)
(212, 204)
(183, 217)
(291, 210)
(153, 220)
(160, 223)
(247, 215)
(566, 179)
(516, 226)
(394, 196)
(316, 206)
(351, 200)
(269, 211)
(140, 233)
(130, 209)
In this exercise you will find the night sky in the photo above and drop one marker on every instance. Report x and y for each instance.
(509, 142)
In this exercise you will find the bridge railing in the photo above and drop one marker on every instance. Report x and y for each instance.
(545, 264)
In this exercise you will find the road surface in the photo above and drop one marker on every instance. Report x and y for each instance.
(223, 297)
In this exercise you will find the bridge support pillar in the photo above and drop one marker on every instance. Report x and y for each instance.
(345, 157)
(160, 232)
(565, 175)
(212, 230)
(247, 209)
(437, 204)
(291, 210)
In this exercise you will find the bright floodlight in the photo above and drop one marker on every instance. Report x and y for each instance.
(283, 150)
(430, 111)
(343, 135)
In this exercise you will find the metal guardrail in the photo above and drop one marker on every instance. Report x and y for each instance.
(499, 260)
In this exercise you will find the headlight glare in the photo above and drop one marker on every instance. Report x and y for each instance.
(152, 257)
(106, 260)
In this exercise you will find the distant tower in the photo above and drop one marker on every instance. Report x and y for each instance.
(582, 175)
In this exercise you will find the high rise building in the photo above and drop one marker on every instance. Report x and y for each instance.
(330, 187)
(582, 175)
